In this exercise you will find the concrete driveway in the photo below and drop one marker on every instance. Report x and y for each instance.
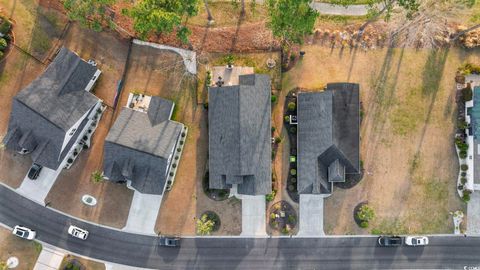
(253, 215)
(311, 215)
(37, 190)
(143, 213)
(473, 214)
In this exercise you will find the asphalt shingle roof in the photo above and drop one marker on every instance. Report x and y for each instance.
(327, 133)
(239, 135)
(139, 145)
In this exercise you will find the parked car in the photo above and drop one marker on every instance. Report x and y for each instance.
(416, 241)
(34, 171)
(390, 241)
(77, 232)
(24, 232)
(169, 241)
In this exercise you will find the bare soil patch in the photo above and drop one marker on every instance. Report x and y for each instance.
(406, 135)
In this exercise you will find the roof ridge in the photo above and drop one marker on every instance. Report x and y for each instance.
(71, 70)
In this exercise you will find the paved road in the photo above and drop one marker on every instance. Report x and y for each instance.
(235, 253)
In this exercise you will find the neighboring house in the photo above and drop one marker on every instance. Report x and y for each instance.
(240, 136)
(473, 140)
(327, 137)
(140, 146)
(51, 115)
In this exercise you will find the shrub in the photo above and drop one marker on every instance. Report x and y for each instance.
(208, 79)
(205, 225)
(174, 165)
(1, 54)
(291, 188)
(271, 196)
(462, 125)
(293, 129)
(365, 213)
(466, 196)
(273, 129)
(291, 106)
(376, 231)
(285, 230)
(467, 93)
(460, 187)
(463, 174)
(3, 44)
(287, 118)
(205, 105)
(5, 26)
(294, 180)
(463, 154)
(464, 167)
(273, 99)
(278, 140)
(364, 224)
(229, 59)
(273, 216)
(291, 219)
(293, 172)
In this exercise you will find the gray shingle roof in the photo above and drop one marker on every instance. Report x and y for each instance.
(239, 135)
(139, 145)
(49, 106)
(327, 136)
(59, 93)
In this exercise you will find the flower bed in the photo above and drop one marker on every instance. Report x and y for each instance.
(282, 217)
(290, 112)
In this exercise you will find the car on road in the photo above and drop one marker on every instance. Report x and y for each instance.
(416, 241)
(77, 232)
(390, 241)
(24, 232)
(34, 171)
(169, 241)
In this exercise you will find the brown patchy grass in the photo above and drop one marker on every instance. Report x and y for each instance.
(225, 13)
(26, 251)
(406, 135)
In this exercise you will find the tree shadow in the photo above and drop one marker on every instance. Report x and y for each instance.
(237, 31)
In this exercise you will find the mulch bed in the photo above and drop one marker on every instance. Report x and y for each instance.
(355, 210)
(213, 216)
(74, 265)
(214, 194)
(282, 217)
(292, 136)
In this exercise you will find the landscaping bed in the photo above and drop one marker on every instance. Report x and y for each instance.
(290, 111)
(282, 217)
(214, 194)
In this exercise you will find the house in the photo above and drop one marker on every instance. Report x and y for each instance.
(140, 146)
(239, 136)
(54, 114)
(327, 137)
(473, 140)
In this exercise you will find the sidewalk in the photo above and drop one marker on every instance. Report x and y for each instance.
(49, 259)
(473, 214)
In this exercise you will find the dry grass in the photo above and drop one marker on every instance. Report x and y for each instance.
(406, 135)
(226, 13)
(26, 251)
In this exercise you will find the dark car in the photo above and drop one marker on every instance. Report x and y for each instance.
(169, 241)
(390, 241)
(34, 171)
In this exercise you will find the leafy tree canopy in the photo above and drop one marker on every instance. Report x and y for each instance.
(377, 7)
(162, 16)
(89, 13)
(291, 20)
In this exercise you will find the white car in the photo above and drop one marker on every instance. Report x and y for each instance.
(416, 241)
(24, 232)
(77, 232)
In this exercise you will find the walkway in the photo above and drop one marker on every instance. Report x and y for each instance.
(311, 216)
(473, 214)
(37, 190)
(329, 9)
(143, 213)
(189, 57)
(253, 216)
(49, 259)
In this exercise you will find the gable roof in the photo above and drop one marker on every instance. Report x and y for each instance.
(59, 95)
(139, 145)
(239, 135)
(327, 136)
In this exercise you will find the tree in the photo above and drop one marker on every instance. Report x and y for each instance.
(205, 225)
(89, 13)
(162, 16)
(291, 20)
(365, 213)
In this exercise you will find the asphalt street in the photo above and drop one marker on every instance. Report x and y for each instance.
(444, 252)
